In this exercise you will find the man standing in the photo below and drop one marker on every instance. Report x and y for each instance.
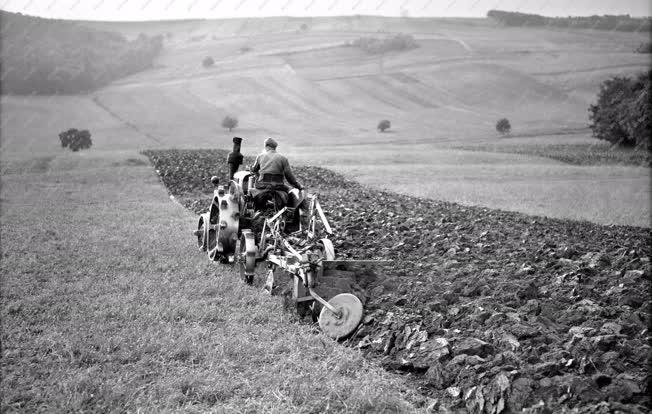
(235, 157)
(273, 168)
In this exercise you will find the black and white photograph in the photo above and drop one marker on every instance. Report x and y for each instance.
(338, 206)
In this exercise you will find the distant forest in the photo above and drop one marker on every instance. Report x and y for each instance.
(623, 22)
(48, 56)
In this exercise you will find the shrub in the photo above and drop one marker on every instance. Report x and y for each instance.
(229, 122)
(245, 49)
(383, 125)
(208, 62)
(503, 126)
(622, 114)
(76, 140)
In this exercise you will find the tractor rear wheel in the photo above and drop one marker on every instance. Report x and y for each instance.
(224, 219)
(202, 232)
(245, 254)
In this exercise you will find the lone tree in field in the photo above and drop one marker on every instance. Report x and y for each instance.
(229, 122)
(623, 113)
(503, 126)
(383, 125)
(208, 62)
(76, 140)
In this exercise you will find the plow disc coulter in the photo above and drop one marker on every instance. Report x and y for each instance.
(291, 240)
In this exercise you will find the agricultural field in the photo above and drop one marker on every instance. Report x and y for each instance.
(515, 257)
(509, 309)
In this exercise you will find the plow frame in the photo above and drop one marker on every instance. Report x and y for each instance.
(304, 256)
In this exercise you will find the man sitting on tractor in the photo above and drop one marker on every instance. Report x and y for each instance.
(272, 168)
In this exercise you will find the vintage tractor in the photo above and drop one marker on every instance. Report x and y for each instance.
(292, 239)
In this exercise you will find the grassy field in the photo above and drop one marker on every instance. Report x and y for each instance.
(108, 306)
(590, 153)
(530, 183)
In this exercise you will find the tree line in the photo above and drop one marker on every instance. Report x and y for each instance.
(622, 22)
(50, 56)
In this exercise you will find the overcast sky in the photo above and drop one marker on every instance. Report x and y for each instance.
(184, 9)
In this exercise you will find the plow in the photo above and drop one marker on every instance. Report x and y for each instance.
(291, 237)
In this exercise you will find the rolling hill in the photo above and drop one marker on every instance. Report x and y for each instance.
(311, 90)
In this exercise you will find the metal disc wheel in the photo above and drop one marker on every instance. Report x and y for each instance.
(246, 256)
(351, 313)
(223, 224)
(202, 232)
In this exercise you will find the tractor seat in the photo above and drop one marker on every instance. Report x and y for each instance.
(268, 197)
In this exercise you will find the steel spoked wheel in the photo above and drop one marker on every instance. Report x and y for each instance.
(202, 232)
(246, 256)
(223, 223)
(351, 312)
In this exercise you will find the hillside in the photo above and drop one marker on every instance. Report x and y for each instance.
(322, 99)
(47, 56)
(309, 86)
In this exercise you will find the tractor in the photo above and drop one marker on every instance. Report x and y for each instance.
(292, 236)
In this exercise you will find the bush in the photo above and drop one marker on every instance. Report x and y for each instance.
(623, 113)
(645, 47)
(76, 140)
(208, 62)
(229, 122)
(503, 126)
(383, 125)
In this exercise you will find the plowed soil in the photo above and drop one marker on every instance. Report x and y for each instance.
(486, 310)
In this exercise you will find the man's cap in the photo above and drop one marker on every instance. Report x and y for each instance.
(269, 142)
(237, 140)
